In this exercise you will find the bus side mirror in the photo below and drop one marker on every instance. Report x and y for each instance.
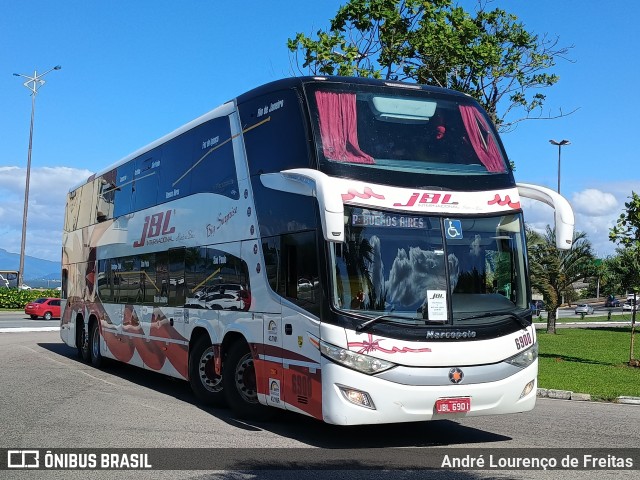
(564, 218)
(312, 183)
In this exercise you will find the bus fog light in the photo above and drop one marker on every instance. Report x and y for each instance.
(357, 397)
(527, 389)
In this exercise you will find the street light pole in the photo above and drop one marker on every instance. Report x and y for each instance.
(560, 144)
(33, 84)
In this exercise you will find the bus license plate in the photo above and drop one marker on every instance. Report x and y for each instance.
(453, 405)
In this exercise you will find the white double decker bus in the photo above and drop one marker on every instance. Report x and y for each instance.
(349, 249)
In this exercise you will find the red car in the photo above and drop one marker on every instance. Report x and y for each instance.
(46, 308)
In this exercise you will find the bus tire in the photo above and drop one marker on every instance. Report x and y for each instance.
(94, 345)
(83, 343)
(239, 382)
(206, 385)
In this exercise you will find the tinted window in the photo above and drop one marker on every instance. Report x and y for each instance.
(292, 268)
(275, 213)
(217, 280)
(124, 189)
(271, 250)
(106, 196)
(145, 176)
(176, 156)
(200, 160)
(147, 287)
(213, 167)
(177, 291)
(275, 134)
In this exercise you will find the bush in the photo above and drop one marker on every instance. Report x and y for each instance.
(17, 299)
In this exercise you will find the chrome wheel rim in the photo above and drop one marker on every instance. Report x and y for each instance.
(207, 372)
(246, 379)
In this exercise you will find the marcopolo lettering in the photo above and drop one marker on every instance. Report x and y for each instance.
(450, 334)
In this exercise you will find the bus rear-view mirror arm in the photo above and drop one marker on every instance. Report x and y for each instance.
(564, 218)
(312, 183)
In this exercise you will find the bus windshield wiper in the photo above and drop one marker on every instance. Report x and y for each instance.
(518, 318)
(384, 316)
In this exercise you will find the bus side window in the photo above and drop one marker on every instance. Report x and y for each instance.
(162, 279)
(299, 254)
(106, 194)
(212, 166)
(274, 132)
(105, 284)
(177, 290)
(272, 251)
(145, 176)
(123, 193)
(291, 262)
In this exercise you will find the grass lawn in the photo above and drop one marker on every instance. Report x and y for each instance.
(593, 361)
(626, 317)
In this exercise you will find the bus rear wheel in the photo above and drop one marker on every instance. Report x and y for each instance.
(82, 342)
(94, 344)
(240, 386)
(206, 385)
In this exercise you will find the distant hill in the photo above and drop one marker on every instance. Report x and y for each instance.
(34, 268)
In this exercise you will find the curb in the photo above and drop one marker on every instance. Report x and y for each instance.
(583, 397)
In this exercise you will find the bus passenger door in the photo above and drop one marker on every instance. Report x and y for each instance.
(301, 288)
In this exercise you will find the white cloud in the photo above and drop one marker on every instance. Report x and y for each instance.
(48, 187)
(594, 203)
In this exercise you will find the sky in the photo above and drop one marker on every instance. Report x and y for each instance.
(135, 71)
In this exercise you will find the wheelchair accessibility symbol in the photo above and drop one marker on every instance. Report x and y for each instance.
(453, 228)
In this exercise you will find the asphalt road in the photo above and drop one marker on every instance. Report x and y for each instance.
(49, 399)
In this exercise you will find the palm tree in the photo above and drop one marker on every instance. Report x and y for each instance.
(552, 271)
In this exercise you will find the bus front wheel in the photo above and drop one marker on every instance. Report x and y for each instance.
(206, 385)
(240, 387)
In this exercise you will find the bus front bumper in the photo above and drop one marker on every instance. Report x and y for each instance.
(389, 402)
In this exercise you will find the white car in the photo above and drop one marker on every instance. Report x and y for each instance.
(24, 286)
(223, 301)
(629, 306)
(584, 308)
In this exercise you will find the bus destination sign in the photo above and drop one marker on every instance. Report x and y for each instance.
(386, 220)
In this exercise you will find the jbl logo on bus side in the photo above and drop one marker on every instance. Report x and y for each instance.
(154, 226)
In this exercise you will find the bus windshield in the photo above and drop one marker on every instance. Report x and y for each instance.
(426, 270)
(402, 129)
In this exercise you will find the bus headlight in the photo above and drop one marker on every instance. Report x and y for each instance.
(526, 358)
(355, 361)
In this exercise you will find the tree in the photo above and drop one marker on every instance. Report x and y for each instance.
(488, 55)
(626, 234)
(552, 271)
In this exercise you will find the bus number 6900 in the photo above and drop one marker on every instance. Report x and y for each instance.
(523, 341)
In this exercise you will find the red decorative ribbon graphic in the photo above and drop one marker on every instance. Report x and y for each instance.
(368, 193)
(506, 201)
(372, 345)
